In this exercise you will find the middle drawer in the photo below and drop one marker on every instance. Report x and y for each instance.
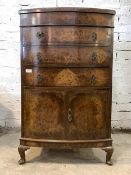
(66, 35)
(37, 76)
(67, 56)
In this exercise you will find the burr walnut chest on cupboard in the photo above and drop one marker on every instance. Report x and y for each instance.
(66, 77)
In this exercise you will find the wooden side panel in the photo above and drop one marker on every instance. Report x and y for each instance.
(66, 35)
(67, 77)
(66, 18)
(62, 55)
(89, 112)
(43, 114)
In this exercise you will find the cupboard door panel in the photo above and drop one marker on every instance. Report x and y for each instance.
(43, 114)
(88, 114)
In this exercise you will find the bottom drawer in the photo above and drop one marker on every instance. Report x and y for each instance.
(72, 114)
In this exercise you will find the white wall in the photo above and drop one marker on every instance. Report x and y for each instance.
(10, 57)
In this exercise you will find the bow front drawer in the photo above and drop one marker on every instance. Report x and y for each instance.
(67, 77)
(64, 18)
(66, 35)
(67, 56)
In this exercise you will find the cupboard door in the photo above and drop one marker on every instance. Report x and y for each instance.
(43, 114)
(88, 114)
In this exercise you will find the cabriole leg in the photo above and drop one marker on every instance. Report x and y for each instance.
(109, 152)
(21, 150)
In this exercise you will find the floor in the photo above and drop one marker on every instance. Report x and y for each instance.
(54, 162)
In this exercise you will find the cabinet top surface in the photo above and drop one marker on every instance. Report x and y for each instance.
(67, 9)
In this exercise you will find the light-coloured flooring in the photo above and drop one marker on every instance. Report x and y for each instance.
(54, 162)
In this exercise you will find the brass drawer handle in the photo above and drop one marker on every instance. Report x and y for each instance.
(39, 78)
(40, 35)
(94, 36)
(94, 58)
(69, 115)
(39, 57)
(93, 80)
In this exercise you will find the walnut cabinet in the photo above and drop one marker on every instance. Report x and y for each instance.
(66, 78)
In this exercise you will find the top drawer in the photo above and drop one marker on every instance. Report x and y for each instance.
(67, 18)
